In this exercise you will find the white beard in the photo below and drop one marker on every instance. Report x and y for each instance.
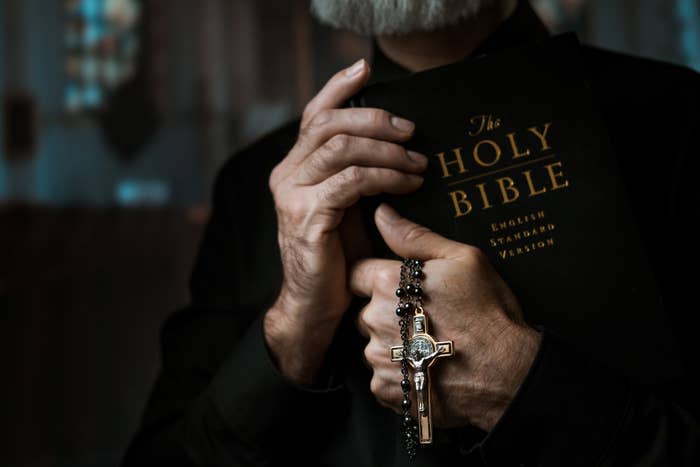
(394, 17)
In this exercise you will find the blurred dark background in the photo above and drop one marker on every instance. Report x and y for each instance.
(115, 117)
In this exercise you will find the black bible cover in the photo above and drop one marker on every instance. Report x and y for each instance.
(521, 166)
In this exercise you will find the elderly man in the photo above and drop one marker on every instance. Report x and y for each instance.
(273, 363)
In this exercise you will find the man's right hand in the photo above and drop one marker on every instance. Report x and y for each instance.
(340, 155)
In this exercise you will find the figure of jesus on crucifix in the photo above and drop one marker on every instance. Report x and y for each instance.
(421, 353)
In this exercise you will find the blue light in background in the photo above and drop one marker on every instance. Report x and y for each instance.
(689, 19)
(71, 97)
(142, 192)
(92, 95)
(91, 9)
(93, 32)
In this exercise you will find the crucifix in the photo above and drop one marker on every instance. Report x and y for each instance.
(421, 353)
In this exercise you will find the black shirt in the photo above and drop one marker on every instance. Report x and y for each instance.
(219, 399)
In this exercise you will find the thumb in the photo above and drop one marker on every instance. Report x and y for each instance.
(410, 240)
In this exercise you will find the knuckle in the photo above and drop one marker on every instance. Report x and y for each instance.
(394, 150)
(307, 114)
(377, 116)
(304, 135)
(341, 186)
(328, 192)
(355, 174)
(312, 123)
(338, 143)
(317, 162)
(369, 317)
(352, 175)
(474, 255)
(321, 118)
(377, 386)
(386, 279)
(293, 207)
(415, 234)
(362, 320)
(369, 355)
(275, 178)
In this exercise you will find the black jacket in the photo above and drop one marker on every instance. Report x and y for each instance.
(219, 400)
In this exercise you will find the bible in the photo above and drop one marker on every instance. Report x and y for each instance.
(520, 165)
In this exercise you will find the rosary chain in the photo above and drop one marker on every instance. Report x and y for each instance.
(410, 299)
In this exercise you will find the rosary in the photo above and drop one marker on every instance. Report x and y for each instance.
(419, 352)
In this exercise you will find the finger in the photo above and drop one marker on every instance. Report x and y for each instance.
(377, 354)
(337, 90)
(378, 321)
(368, 274)
(410, 240)
(363, 327)
(345, 188)
(386, 387)
(364, 323)
(365, 122)
(343, 151)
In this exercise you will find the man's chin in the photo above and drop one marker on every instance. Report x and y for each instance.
(394, 17)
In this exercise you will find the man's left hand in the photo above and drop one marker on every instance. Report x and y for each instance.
(466, 301)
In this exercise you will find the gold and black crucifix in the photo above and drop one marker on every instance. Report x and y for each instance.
(422, 352)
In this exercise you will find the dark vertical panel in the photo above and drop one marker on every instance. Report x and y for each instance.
(83, 293)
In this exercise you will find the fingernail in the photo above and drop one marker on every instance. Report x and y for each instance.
(356, 67)
(387, 213)
(417, 158)
(402, 124)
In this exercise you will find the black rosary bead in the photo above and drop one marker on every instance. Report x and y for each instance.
(409, 293)
(409, 289)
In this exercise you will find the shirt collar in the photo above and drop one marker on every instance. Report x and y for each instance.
(523, 26)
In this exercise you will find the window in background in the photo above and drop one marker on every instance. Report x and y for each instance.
(688, 12)
(101, 42)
